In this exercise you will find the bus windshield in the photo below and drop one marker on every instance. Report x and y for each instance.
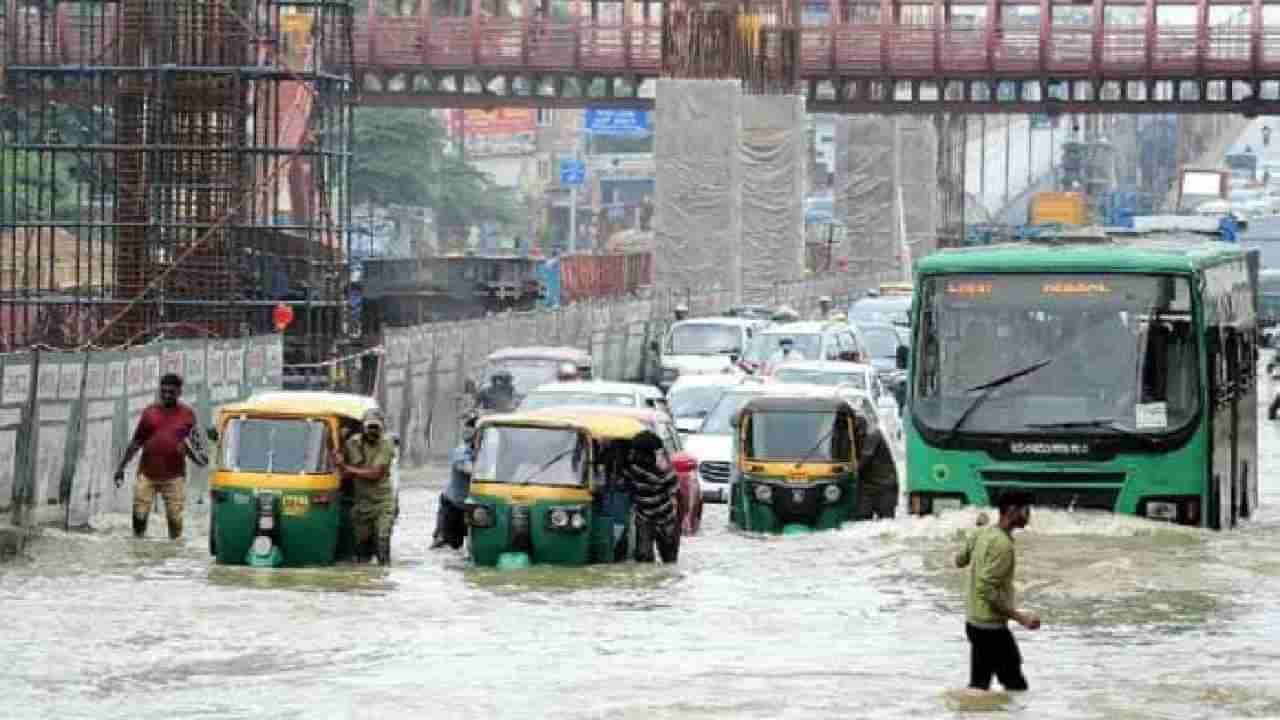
(1101, 353)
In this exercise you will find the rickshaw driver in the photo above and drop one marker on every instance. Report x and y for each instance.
(366, 459)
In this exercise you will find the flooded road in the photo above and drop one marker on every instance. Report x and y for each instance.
(1141, 621)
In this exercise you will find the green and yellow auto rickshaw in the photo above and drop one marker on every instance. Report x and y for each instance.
(545, 487)
(795, 468)
(276, 497)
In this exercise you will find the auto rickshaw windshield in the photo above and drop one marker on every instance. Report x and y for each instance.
(814, 436)
(530, 455)
(276, 445)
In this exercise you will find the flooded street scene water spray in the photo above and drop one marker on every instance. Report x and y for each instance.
(631, 359)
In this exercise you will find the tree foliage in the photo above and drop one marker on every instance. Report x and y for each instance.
(400, 158)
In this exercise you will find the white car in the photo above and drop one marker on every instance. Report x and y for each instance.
(704, 345)
(858, 377)
(594, 392)
(713, 444)
(691, 398)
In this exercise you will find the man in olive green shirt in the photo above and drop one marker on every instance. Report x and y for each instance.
(990, 606)
(367, 459)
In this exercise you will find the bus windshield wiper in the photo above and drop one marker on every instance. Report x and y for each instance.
(544, 466)
(1104, 423)
(986, 389)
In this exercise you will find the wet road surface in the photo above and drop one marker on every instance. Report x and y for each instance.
(1141, 621)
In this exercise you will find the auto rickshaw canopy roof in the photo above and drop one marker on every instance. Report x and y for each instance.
(792, 403)
(602, 423)
(304, 402)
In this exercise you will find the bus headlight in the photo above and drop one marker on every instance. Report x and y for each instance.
(764, 493)
(831, 493)
(1162, 511)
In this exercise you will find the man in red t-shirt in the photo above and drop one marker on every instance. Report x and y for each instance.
(164, 435)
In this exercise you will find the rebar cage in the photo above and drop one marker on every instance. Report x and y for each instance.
(174, 167)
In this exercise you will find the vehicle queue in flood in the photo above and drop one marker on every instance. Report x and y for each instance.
(794, 443)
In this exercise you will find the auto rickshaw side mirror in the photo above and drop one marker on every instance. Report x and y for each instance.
(902, 357)
(684, 463)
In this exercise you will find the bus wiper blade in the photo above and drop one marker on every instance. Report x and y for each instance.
(544, 466)
(986, 389)
(1102, 423)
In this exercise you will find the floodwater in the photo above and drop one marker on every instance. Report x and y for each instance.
(1140, 621)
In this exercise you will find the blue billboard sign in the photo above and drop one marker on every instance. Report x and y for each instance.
(572, 172)
(607, 121)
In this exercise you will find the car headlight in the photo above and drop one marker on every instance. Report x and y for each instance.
(764, 493)
(831, 493)
(559, 518)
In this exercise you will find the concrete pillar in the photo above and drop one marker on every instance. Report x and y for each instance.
(731, 176)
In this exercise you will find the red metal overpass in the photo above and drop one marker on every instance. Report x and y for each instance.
(1099, 56)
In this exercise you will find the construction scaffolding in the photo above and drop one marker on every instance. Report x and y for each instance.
(174, 168)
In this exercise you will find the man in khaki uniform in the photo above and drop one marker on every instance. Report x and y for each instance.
(366, 459)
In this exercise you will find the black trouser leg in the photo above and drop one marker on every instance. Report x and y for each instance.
(644, 541)
(1275, 406)
(993, 651)
(668, 539)
(139, 525)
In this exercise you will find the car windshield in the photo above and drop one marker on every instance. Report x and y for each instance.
(893, 310)
(525, 374)
(882, 342)
(704, 339)
(796, 435)
(767, 347)
(522, 455)
(694, 400)
(811, 376)
(1114, 350)
(536, 400)
(720, 419)
(287, 447)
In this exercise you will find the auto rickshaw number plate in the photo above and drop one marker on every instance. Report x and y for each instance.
(296, 504)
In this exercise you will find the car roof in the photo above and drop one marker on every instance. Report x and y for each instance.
(717, 320)
(704, 379)
(776, 388)
(602, 387)
(805, 327)
(828, 366)
(541, 352)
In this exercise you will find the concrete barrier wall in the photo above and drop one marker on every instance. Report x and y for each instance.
(426, 366)
(67, 417)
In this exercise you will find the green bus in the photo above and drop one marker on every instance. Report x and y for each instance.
(1114, 375)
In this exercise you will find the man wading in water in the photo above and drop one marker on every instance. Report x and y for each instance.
(991, 560)
(166, 435)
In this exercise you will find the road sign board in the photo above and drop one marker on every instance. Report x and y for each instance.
(572, 172)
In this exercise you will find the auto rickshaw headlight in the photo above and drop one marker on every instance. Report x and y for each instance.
(559, 518)
(831, 493)
(479, 516)
(764, 493)
(567, 518)
(578, 521)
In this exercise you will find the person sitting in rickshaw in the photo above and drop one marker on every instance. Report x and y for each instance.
(654, 487)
